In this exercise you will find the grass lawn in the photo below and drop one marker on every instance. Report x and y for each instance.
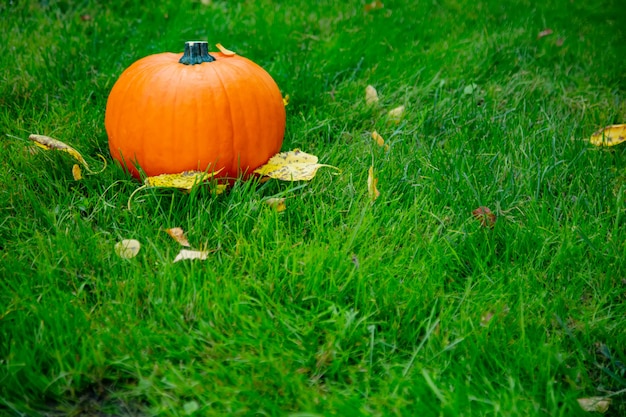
(338, 305)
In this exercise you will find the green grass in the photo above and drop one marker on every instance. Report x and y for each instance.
(337, 306)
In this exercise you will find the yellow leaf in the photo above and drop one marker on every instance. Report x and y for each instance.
(76, 172)
(191, 254)
(609, 136)
(184, 180)
(286, 100)
(379, 140)
(178, 235)
(371, 185)
(127, 248)
(225, 51)
(371, 95)
(291, 166)
(276, 203)
(595, 404)
(395, 115)
(48, 143)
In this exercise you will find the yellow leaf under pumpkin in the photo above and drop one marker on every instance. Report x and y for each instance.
(225, 51)
(286, 100)
(609, 136)
(184, 181)
(371, 95)
(47, 143)
(291, 166)
(372, 182)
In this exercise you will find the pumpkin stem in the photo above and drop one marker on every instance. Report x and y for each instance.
(196, 52)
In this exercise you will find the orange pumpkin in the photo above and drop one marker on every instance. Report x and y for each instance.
(169, 113)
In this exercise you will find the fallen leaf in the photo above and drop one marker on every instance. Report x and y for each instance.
(286, 100)
(48, 143)
(277, 203)
(377, 4)
(371, 185)
(184, 181)
(191, 407)
(609, 136)
(371, 95)
(379, 140)
(544, 33)
(185, 254)
(595, 404)
(485, 216)
(76, 172)
(178, 235)
(486, 318)
(127, 248)
(291, 166)
(226, 52)
(395, 115)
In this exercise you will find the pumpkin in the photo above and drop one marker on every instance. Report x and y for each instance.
(168, 113)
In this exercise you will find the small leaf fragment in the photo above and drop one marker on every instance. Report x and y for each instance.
(185, 254)
(291, 166)
(376, 4)
(595, 404)
(76, 172)
(127, 248)
(372, 181)
(286, 100)
(395, 115)
(178, 235)
(277, 203)
(371, 95)
(470, 89)
(485, 216)
(544, 33)
(379, 140)
(48, 143)
(225, 51)
(609, 136)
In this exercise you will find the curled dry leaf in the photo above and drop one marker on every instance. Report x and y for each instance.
(277, 203)
(379, 140)
(185, 254)
(178, 235)
(485, 216)
(595, 404)
(47, 143)
(226, 52)
(286, 100)
(372, 181)
(127, 248)
(609, 136)
(291, 166)
(371, 95)
(76, 172)
(395, 115)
